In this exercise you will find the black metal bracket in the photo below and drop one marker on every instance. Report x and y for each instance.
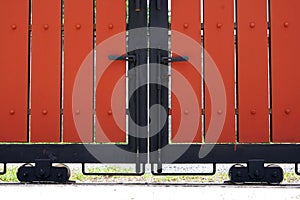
(4, 169)
(296, 169)
(130, 58)
(158, 4)
(166, 60)
(256, 172)
(43, 172)
(137, 173)
(137, 5)
(159, 172)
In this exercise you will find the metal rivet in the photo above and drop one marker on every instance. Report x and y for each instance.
(219, 25)
(78, 26)
(110, 26)
(287, 111)
(220, 112)
(274, 175)
(109, 112)
(286, 24)
(186, 112)
(42, 172)
(185, 25)
(45, 112)
(77, 112)
(46, 26)
(253, 112)
(252, 24)
(13, 27)
(12, 112)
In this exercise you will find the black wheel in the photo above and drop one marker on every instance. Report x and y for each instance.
(230, 175)
(23, 173)
(275, 175)
(65, 166)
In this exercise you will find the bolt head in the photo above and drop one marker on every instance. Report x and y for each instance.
(274, 175)
(46, 26)
(252, 24)
(287, 111)
(185, 25)
(78, 26)
(109, 112)
(14, 27)
(219, 25)
(12, 112)
(253, 112)
(220, 112)
(286, 24)
(45, 112)
(77, 112)
(186, 112)
(42, 172)
(110, 26)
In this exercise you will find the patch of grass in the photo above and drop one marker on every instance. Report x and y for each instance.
(149, 178)
(10, 176)
(291, 177)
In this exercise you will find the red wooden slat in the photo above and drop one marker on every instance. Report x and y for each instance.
(253, 71)
(78, 43)
(285, 50)
(219, 44)
(186, 20)
(14, 70)
(45, 72)
(111, 20)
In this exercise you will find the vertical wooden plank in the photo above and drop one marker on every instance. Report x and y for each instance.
(219, 45)
(111, 20)
(285, 50)
(45, 72)
(252, 71)
(185, 19)
(78, 43)
(14, 70)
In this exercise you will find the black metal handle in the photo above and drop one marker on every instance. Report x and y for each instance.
(137, 5)
(166, 60)
(130, 58)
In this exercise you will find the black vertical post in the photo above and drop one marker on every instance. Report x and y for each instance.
(158, 77)
(137, 74)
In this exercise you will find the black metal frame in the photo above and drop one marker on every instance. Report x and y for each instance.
(159, 147)
(79, 153)
(158, 74)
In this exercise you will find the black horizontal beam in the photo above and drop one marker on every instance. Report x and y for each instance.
(231, 153)
(69, 153)
(119, 153)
